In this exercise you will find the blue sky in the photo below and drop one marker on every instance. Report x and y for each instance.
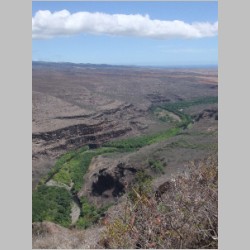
(142, 50)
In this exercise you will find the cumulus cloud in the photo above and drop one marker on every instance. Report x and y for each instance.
(63, 23)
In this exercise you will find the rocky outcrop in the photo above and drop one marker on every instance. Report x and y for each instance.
(51, 144)
(71, 137)
(67, 132)
(111, 182)
(206, 114)
(157, 98)
(106, 180)
(85, 133)
(163, 188)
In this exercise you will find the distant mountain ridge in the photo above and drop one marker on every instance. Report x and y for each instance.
(92, 65)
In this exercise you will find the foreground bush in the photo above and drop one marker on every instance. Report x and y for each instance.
(183, 213)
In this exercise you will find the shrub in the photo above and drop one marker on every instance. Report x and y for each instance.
(156, 165)
(51, 204)
(142, 186)
(89, 214)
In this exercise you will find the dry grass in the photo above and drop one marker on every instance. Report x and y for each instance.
(183, 213)
(47, 235)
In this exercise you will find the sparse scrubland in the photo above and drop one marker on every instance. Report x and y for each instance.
(131, 170)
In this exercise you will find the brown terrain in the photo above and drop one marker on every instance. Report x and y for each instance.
(82, 104)
(79, 104)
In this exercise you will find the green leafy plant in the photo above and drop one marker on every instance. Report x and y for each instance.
(156, 165)
(51, 204)
(89, 213)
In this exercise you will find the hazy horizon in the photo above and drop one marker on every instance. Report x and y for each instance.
(131, 65)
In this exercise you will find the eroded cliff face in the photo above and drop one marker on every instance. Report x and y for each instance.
(206, 114)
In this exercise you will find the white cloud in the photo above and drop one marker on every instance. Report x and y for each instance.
(62, 23)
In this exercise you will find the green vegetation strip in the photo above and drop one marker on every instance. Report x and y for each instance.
(141, 141)
(185, 144)
(186, 104)
(51, 204)
(177, 109)
(72, 166)
(62, 160)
